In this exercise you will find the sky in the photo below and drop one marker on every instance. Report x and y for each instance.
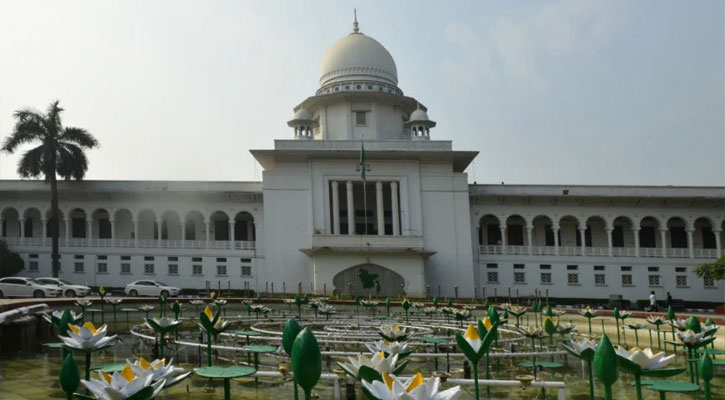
(549, 92)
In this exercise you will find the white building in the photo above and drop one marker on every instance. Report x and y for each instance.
(415, 222)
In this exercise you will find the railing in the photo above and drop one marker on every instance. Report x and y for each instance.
(140, 243)
(647, 252)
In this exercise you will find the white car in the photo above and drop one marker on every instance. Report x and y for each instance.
(66, 288)
(26, 287)
(150, 288)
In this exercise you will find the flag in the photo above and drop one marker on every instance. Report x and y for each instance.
(363, 162)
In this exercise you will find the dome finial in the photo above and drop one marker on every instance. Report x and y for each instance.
(355, 28)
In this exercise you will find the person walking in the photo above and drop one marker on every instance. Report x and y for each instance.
(669, 299)
(652, 302)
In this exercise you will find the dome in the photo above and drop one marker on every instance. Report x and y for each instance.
(302, 114)
(419, 115)
(357, 57)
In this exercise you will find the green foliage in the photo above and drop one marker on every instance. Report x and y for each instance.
(716, 270)
(10, 262)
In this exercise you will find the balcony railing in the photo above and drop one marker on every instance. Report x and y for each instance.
(140, 243)
(517, 250)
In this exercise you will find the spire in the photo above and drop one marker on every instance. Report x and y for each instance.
(355, 28)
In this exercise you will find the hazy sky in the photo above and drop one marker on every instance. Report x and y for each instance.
(563, 91)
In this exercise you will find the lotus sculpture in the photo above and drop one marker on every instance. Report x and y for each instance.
(584, 349)
(645, 362)
(162, 326)
(588, 313)
(475, 344)
(389, 348)
(372, 367)
(394, 333)
(413, 388)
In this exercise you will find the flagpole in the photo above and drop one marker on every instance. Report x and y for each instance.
(365, 204)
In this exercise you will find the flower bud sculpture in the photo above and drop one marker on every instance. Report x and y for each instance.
(213, 325)
(606, 365)
(306, 361)
(406, 307)
(289, 334)
(707, 372)
(70, 377)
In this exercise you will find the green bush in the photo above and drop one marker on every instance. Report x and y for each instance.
(10, 262)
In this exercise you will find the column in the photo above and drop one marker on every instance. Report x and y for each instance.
(135, 233)
(89, 232)
(22, 229)
(379, 210)
(555, 231)
(350, 209)
(231, 234)
(113, 229)
(529, 236)
(396, 211)
(635, 233)
(2, 223)
(183, 234)
(159, 222)
(67, 229)
(717, 243)
(609, 240)
(206, 232)
(583, 239)
(689, 242)
(45, 229)
(502, 228)
(663, 236)
(335, 208)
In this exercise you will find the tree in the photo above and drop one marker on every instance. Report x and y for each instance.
(10, 262)
(715, 270)
(60, 152)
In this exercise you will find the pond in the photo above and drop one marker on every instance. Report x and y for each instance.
(33, 374)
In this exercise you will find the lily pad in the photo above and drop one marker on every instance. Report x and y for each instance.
(648, 382)
(53, 345)
(225, 372)
(108, 368)
(542, 364)
(247, 333)
(664, 372)
(259, 349)
(674, 386)
(434, 340)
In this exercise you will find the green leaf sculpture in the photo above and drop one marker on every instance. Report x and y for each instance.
(291, 329)
(670, 313)
(606, 365)
(707, 372)
(306, 361)
(69, 376)
(693, 324)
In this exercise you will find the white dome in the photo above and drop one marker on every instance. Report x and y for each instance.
(419, 115)
(358, 57)
(302, 114)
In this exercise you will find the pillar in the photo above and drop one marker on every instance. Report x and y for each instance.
(159, 222)
(350, 209)
(583, 239)
(635, 233)
(113, 228)
(609, 240)
(379, 211)
(689, 242)
(396, 211)
(555, 231)
(183, 233)
(2, 223)
(663, 236)
(717, 243)
(206, 232)
(135, 233)
(89, 231)
(529, 236)
(22, 228)
(67, 229)
(45, 229)
(335, 208)
(502, 228)
(231, 233)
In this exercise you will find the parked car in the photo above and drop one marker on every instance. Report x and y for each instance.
(150, 288)
(66, 288)
(26, 287)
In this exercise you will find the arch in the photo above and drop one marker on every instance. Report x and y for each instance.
(490, 230)
(704, 235)
(10, 222)
(78, 219)
(123, 224)
(219, 225)
(569, 231)
(244, 227)
(361, 278)
(147, 225)
(170, 225)
(622, 235)
(195, 226)
(61, 224)
(101, 223)
(677, 232)
(595, 234)
(516, 230)
(648, 237)
(32, 224)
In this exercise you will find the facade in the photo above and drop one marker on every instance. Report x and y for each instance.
(401, 218)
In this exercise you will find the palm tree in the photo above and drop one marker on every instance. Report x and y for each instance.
(59, 153)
